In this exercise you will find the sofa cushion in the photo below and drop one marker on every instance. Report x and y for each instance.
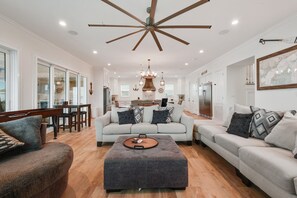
(171, 128)
(148, 113)
(240, 124)
(8, 142)
(114, 113)
(160, 116)
(233, 143)
(144, 128)
(115, 128)
(209, 131)
(263, 122)
(284, 133)
(177, 112)
(126, 117)
(26, 130)
(275, 164)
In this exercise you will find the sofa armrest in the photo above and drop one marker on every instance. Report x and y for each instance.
(189, 123)
(100, 123)
(295, 184)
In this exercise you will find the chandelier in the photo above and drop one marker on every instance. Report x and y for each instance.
(149, 73)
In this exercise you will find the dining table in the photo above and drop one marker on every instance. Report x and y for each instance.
(78, 107)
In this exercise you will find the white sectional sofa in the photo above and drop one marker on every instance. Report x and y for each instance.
(181, 129)
(271, 168)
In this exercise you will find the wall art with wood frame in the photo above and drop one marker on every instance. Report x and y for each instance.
(278, 70)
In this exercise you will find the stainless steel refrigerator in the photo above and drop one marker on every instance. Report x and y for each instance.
(205, 100)
(106, 100)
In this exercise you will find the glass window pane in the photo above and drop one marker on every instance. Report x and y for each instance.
(125, 90)
(169, 90)
(83, 90)
(73, 88)
(59, 86)
(2, 82)
(43, 86)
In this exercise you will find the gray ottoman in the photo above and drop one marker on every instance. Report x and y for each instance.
(163, 166)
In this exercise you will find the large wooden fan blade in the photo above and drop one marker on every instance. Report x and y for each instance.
(153, 11)
(125, 36)
(173, 37)
(156, 40)
(126, 26)
(185, 26)
(140, 40)
(201, 2)
(123, 11)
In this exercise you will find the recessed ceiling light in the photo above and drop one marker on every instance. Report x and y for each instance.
(201, 51)
(114, 72)
(108, 64)
(235, 22)
(95, 52)
(119, 76)
(186, 64)
(136, 76)
(62, 23)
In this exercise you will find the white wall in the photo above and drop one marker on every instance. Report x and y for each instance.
(271, 99)
(29, 47)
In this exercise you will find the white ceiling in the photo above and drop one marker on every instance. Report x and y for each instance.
(42, 17)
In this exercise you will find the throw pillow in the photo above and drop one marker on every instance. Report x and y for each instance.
(263, 122)
(138, 114)
(126, 117)
(114, 113)
(8, 142)
(284, 133)
(170, 109)
(160, 116)
(148, 113)
(177, 112)
(242, 109)
(26, 130)
(240, 124)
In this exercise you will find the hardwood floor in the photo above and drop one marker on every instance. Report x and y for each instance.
(209, 174)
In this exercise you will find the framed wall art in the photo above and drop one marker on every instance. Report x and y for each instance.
(278, 70)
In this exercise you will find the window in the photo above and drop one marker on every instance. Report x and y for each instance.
(169, 90)
(125, 90)
(3, 95)
(73, 91)
(43, 86)
(83, 90)
(59, 86)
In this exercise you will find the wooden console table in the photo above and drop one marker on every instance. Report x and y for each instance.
(48, 112)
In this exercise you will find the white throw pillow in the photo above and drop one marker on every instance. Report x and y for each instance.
(114, 113)
(242, 109)
(148, 113)
(284, 133)
(177, 112)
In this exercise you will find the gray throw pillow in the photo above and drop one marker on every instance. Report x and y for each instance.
(126, 117)
(160, 116)
(26, 130)
(138, 114)
(8, 142)
(284, 133)
(263, 122)
(114, 118)
(240, 124)
(170, 109)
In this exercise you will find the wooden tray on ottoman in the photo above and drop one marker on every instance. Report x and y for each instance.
(146, 142)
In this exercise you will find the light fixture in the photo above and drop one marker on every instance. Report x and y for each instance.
(290, 40)
(119, 76)
(148, 76)
(235, 22)
(135, 88)
(186, 64)
(95, 52)
(162, 81)
(141, 82)
(91, 88)
(62, 23)
(201, 51)
(114, 72)
(108, 64)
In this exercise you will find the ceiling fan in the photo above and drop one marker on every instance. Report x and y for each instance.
(151, 26)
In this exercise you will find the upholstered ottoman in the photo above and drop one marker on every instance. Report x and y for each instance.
(163, 166)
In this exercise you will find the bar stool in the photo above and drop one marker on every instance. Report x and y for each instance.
(71, 118)
(83, 117)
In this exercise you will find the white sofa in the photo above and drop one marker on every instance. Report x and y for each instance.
(272, 169)
(108, 130)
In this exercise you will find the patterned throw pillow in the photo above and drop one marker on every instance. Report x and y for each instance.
(160, 116)
(263, 122)
(138, 114)
(126, 117)
(170, 109)
(8, 143)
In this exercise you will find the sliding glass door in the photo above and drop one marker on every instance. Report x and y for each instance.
(73, 88)
(2, 81)
(59, 86)
(43, 86)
